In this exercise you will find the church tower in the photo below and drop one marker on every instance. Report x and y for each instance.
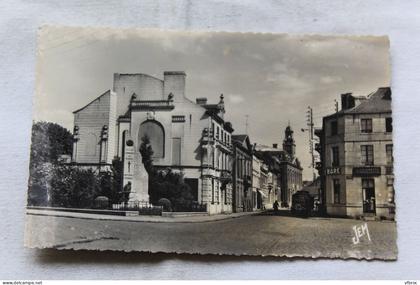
(289, 145)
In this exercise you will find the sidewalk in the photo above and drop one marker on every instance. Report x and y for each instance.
(148, 219)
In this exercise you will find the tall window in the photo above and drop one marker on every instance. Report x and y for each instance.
(366, 125)
(212, 190)
(154, 131)
(217, 132)
(389, 155)
(334, 128)
(335, 156)
(176, 151)
(336, 189)
(388, 125)
(367, 154)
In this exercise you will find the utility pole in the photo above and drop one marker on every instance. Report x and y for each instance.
(310, 124)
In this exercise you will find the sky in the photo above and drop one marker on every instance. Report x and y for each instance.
(268, 80)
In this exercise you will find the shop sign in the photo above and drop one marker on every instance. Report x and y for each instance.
(333, 170)
(366, 171)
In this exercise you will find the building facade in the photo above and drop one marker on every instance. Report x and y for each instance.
(242, 174)
(186, 136)
(256, 182)
(356, 157)
(285, 166)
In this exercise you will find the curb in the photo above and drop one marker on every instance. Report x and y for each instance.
(138, 219)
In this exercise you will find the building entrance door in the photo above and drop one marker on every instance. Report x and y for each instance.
(369, 204)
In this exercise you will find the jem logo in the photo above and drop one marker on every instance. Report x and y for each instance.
(359, 232)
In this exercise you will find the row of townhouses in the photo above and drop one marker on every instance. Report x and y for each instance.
(225, 171)
(356, 150)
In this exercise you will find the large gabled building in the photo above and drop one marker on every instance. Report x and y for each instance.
(186, 136)
(356, 157)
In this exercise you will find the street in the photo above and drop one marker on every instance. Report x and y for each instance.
(261, 234)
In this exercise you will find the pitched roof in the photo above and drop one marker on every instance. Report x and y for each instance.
(376, 102)
(239, 138)
(97, 98)
(243, 141)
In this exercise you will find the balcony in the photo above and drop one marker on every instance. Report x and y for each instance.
(152, 105)
(225, 176)
(207, 136)
(389, 170)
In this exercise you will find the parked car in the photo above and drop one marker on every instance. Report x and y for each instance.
(302, 203)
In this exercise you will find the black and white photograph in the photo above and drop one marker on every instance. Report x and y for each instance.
(221, 143)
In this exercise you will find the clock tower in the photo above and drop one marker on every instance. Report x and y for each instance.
(289, 145)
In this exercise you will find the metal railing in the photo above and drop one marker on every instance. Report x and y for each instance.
(144, 208)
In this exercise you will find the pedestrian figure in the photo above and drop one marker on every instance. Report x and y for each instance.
(276, 207)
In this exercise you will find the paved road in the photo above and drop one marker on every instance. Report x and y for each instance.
(250, 235)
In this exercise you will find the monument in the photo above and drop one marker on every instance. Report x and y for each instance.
(135, 176)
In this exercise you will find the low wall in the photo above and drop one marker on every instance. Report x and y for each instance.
(87, 211)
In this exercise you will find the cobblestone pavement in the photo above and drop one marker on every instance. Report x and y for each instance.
(250, 235)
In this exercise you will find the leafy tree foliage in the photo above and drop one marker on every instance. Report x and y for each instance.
(58, 185)
(49, 141)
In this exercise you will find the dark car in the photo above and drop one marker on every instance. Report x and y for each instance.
(302, 203)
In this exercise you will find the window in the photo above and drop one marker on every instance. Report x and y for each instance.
(389, 155)
(154, 131)
(390, 181)
(212, 190)
(335, 156)
(367, 154)
(366, 125)
(336, 189)
(388, 125)
(217, 132)
(334, 128)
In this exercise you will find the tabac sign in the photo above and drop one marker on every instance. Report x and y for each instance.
(333, 171)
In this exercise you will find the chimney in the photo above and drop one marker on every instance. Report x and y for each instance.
(347, 101)
(174, 82)
(275, 145)
(201, 101)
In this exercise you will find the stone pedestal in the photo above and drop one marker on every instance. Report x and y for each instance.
(135, 173)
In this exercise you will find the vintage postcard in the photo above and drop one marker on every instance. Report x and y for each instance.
(212, 143)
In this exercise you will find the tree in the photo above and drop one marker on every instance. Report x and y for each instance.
(147, 154)
(74, 187)
(111, 182)
(49, 141)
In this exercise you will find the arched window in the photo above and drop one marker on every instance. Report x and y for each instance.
(156, 134)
